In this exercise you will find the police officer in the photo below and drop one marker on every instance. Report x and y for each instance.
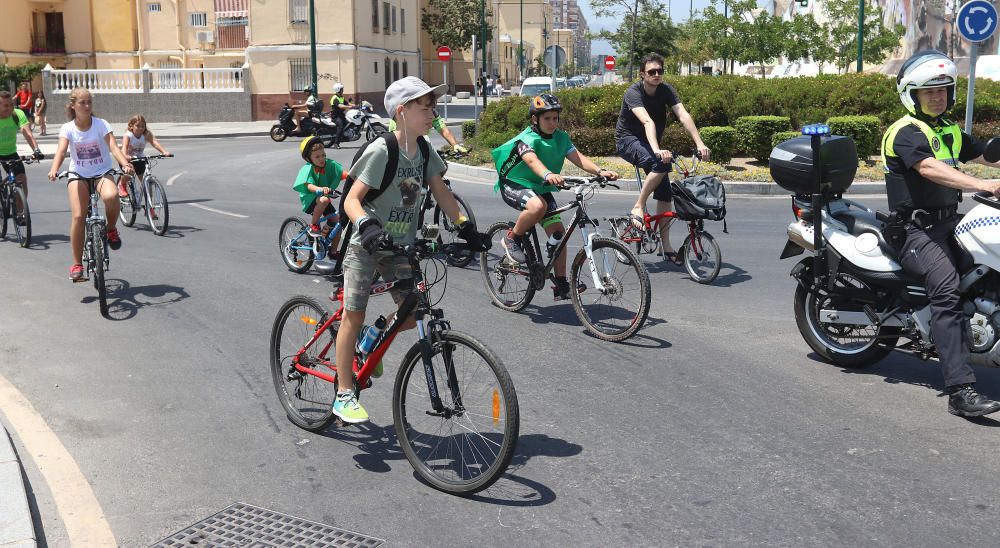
(921, 152)
(339, 106)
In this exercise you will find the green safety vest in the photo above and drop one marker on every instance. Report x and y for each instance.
(551, 151)
(921, 193)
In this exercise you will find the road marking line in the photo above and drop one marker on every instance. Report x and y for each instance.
(213, 210)
(170, 181)
(78, 507)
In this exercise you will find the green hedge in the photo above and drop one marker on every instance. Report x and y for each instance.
(721, 140)
(468, 129)
(594, 141)
(783, 136)
(865, 130)
(753, 134)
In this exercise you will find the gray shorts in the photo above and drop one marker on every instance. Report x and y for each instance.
(359, 270)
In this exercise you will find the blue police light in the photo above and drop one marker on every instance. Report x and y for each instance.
(816, 129)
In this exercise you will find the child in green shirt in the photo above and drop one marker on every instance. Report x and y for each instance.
(315, 182)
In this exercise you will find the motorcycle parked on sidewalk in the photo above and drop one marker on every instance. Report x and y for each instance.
(853, 303)
(362, 121)
(321, 125)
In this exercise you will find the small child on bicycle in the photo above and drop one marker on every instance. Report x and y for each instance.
(315, 182)
(439, 126)
(91, 146)
(134, 145)
(528, 167)
(394, 213)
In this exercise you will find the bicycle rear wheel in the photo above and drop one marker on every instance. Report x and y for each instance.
(22, 219)
(295, 246)
(97, 255)
(449, 232)
(4, 209)
(623, 230)
(307, 399)
(620, 310)
(157, 208)
(466, 448)
(702, 257)
(129, 204)
(507, 283)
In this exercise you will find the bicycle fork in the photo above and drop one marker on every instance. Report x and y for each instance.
(588, 248)
(425, 332)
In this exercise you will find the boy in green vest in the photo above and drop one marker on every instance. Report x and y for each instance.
(528, 167)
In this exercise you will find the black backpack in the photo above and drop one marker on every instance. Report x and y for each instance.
(700, 197)
(392, 144)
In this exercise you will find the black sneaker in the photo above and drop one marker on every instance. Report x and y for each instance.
(560, 291)
(964, 401)
(512, 246)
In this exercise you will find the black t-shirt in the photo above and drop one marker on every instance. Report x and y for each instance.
(656, 105)
(911, 146)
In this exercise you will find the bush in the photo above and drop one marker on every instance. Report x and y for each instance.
(783, 136)
(594, 141)
(721, 140)
(468, 129)
(865, 130)
(753, 134)
(676, 140)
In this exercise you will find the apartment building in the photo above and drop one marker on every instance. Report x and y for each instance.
(568, 15)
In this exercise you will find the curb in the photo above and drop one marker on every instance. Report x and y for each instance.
(732, 188)
(16, 528)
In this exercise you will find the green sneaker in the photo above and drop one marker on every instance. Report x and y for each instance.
(346, 407)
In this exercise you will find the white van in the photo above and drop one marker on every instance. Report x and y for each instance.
(536, 85)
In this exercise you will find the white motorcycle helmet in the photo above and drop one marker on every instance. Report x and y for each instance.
(925, 69)
(338, 87)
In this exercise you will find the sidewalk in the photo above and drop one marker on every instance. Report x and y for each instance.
(16, 529)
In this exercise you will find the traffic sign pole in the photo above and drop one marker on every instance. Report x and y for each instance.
(444, 55)
(973, 56)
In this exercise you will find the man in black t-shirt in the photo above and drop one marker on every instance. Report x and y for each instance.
(921, 152)
(637, 139)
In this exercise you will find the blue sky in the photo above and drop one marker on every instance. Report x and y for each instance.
(679, 12)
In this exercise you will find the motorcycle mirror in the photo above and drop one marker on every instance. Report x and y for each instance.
(992, 151)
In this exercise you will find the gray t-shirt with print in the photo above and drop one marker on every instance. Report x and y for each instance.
(398, 207)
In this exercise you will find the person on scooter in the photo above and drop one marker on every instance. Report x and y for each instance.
(313, 107)
(339, 106)
(921, 152)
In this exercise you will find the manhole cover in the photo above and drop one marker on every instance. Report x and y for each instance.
(245, 525)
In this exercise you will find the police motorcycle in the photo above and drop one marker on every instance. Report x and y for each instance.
(362, 121)
(319, 124)
(853, 302)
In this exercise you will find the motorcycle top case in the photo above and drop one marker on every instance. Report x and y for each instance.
(791, 164)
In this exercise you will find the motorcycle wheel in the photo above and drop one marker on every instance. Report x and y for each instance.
(327, 139)
(374, 130)
(850, 346)
(278, 133)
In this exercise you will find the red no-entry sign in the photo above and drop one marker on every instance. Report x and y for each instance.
(609, 62)
(444, 53)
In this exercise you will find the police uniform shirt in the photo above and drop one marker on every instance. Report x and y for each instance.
(911, 146)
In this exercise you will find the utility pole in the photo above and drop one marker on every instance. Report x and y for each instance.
(520, 44)
(482, 43)
(861, 33)
(631, 54)
(312, 46)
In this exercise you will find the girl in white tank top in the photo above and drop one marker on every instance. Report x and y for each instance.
(134, 145)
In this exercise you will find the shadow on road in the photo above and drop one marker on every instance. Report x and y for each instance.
(125, 301)
(898, 368)
(41, 242)
(173, 231)
(729, 274)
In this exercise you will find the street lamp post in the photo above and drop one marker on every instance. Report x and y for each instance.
(520, 44)
(312, 46)
(482, 30)
(861, 32)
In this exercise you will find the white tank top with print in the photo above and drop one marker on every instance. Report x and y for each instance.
(137, 146)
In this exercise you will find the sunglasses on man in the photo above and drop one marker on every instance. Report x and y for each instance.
(655, 72)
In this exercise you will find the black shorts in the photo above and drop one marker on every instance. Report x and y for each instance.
(330, 210)
(517, 196)
(638, 153)
(664, 192)
(18, 167)
(140, 167)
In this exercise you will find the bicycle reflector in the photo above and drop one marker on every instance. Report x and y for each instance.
(816, 129)
(308, 320)
(496, 406)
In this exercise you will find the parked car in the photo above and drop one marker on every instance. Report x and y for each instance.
(536, 85)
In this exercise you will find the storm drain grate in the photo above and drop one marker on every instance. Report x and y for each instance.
(245, 525)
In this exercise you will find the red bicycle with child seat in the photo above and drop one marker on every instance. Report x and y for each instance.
(700, 254)
(454, 407)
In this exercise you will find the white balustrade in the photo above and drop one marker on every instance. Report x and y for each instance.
(196, 80)
(98, 80)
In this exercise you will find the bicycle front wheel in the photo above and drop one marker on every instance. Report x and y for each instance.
(97, 243)
(449, 232)
(307, 399)
(467, 446)
(157, 208)
(4, 210)
(295, 245)
(702, 257)
(507, 282)
(616, 312)
(128, 204)
(22, 218)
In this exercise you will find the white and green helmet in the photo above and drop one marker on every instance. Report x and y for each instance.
(926, 69)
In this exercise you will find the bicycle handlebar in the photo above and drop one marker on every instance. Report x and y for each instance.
(24, 159)
(146, 158)
(67, 173)
(592, 181)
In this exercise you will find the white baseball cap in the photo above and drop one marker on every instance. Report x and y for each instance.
(404, 90)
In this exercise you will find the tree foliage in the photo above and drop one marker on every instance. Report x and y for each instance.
(11, 76)
(653, 31)
(878, 39)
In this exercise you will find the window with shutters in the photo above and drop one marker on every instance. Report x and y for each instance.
(199, 19)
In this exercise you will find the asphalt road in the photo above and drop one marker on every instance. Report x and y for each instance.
(714, 426)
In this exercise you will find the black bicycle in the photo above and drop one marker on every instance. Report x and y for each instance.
(14, 203)
(616, 303)
(458, 256)
(148, 196)
(96, 259)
